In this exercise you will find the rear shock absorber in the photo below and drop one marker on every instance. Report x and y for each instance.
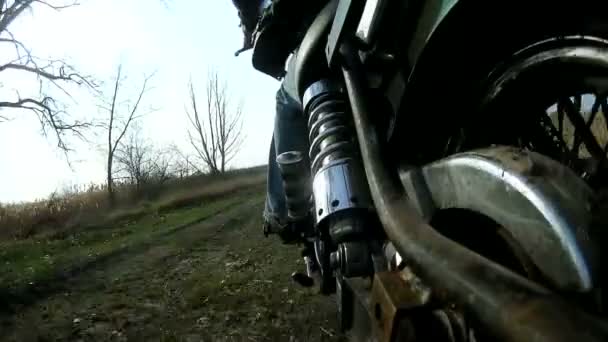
(341, 196)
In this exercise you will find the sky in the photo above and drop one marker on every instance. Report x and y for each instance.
(176, 40)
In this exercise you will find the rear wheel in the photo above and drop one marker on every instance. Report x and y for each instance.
(536, 87)
(551, 98)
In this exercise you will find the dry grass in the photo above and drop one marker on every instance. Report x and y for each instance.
(202, 273)
(73, 208)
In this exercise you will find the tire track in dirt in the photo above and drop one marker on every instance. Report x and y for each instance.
(64, 279)
(217, 280)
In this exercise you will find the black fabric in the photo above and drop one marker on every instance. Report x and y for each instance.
(248, 12)
(279, 31)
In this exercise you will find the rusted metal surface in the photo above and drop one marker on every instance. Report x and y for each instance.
(542, 204)
(396, 307)
(510, 307)
(391, 297)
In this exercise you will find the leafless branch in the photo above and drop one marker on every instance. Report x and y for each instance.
(50, 111)
(49, 117)
(216, 135)
(41, 72)
(57, 7)
(18, 45)
(141, 162)
(183, 165)
(114, 143)
(10, 11)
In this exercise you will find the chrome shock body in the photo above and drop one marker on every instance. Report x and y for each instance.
(341, 196)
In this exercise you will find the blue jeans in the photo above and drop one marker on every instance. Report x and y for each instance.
(290, 133)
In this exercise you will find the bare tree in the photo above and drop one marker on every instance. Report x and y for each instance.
(49, 110)
(133, 158)
(216, 132)
(162, 166)
(183, 164)
(115, 124)
(141, 162)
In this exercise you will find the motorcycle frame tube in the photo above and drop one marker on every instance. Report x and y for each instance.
(311, 48)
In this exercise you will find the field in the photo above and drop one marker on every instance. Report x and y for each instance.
(185, 261)
(198, 269)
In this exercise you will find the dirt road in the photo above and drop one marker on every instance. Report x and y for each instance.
(167, 278)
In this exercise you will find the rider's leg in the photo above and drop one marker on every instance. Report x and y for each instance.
(290, 133)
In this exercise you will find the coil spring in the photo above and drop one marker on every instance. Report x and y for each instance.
(330, 134)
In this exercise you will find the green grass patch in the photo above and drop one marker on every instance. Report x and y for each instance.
(160, 279)
(31, 265)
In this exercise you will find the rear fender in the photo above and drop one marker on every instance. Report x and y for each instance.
(432, 15)
(456, 44)
(541, 203)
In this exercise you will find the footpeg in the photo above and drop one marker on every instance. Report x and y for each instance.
(305, 280)
(302, 279)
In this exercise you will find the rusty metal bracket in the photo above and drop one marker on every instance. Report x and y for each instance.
(393, 295)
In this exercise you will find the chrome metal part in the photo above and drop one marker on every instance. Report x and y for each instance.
(542, 204)
(507, 305)
(340, 193)
(370, 19)
(309, 266)
(311, 276)
(320, 88)
(394, 259)
(264, 4)
(296, 182)
(330, 134)
(339, 183)
(338, 187)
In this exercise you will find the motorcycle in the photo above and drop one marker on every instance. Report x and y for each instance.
(454, 186)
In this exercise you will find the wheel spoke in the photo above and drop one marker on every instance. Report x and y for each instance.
(560, 119)
(580, 128)
(589, 123)
(574, 127)
(577, 102)
(558, 144)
